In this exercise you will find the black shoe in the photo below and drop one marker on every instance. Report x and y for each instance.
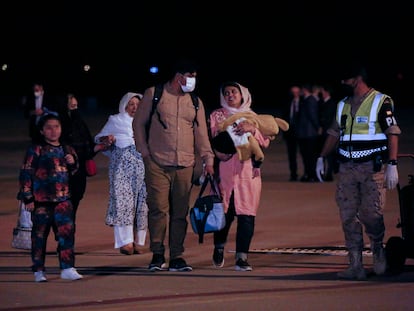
(218, 257)
(157, 263)
(308, 179)
(293, 178)
(328, 178)
(242, 265)
(179, 264)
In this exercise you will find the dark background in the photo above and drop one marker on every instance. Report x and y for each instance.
(264, 45)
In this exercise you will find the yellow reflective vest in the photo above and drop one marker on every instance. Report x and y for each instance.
(362, 138)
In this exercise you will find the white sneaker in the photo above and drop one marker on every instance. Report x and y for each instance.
(70, 274)
(40, 276)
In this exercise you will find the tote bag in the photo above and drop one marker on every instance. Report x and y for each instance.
(21, 238)
(207, 214)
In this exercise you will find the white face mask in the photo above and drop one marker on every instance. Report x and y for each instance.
(190, 83)
(37, 94)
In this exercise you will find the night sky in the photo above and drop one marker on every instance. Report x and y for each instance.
(265, 45)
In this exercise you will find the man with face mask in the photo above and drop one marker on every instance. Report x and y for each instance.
(34, 106)
(168, 150)
(366, 133)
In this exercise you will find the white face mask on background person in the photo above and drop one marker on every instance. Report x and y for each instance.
(37, 94)
(190, 83)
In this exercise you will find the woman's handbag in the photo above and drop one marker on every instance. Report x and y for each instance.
(22, 232)
(90, 167)
(207, 214)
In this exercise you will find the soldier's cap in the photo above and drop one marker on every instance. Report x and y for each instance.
(353, 71)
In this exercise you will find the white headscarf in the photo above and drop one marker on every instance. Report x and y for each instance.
(120, 124)
(246, 103)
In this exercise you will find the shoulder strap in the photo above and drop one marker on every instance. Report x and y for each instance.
(156, 98)
(203, 186)
(194, 98)
(157, 95)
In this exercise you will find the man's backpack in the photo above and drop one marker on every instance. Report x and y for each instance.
(156, 98)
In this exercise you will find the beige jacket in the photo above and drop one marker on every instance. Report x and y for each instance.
(177, 144)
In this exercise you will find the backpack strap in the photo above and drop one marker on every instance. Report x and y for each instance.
(194, 98)
(156, 98)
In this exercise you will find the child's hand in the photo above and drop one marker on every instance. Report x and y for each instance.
(69, 159)
(245, 127)
(101, 147)
(111, 139)
(108, 140)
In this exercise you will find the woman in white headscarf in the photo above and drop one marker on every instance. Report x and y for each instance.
(127, 208)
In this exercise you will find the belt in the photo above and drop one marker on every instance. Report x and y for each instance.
(357, 154)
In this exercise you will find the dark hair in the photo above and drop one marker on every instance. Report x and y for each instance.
(355, 70)
(229, 83)
(184, 65)
(46, 117)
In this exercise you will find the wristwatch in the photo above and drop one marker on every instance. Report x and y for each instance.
(392, 162)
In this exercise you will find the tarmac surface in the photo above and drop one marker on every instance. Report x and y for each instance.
(296, 252)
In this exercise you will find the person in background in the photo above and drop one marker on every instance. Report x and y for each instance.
(176, 132)
(307, 132)
(127, 209)
(34, 106)
(240, 182)
(291, 113)
(44, 188)
(366, 132)
(75, 132)
(327, 109)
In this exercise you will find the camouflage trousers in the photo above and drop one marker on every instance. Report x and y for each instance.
(360, 196)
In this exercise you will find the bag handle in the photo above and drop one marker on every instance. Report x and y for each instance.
(213, 183)
(201, 223)
(19, 213)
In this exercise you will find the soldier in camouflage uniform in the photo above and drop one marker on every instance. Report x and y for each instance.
(366, 135)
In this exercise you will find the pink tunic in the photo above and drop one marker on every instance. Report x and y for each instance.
(239, 175)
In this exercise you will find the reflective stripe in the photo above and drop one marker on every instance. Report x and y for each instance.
(373, 115)
(365, 137)
(341, 105)
(371, 135)
(360, 153)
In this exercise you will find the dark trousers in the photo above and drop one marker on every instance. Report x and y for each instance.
(244, 232)
(292, 151)
(77, 185)
(309, 152)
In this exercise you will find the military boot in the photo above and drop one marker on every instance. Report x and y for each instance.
(379, 259)
(355, 271)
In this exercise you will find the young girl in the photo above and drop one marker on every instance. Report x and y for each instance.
(44, 188)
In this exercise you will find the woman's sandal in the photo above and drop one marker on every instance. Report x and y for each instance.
(127, 249)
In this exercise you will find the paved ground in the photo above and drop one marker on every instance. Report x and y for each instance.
(296, 251)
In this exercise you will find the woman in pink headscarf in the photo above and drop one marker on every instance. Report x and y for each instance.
(240, 182)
